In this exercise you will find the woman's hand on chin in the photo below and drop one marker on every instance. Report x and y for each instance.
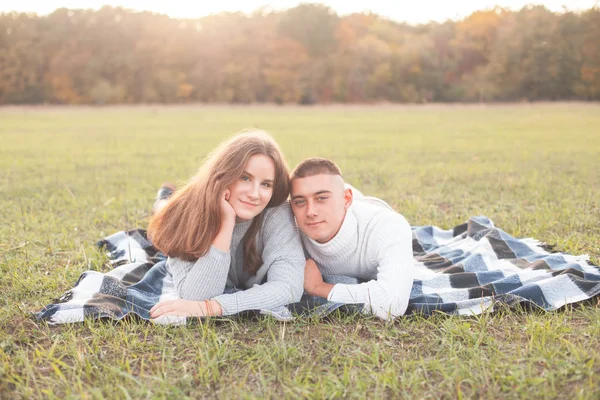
(223, 239)
(186, 308)
(228, 214)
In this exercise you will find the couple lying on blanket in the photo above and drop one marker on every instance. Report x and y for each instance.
(233, 243)
(231, 226)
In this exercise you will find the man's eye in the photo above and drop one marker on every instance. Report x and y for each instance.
(299, 203)
(323, 198)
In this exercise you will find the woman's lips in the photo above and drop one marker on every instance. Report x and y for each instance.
(249, 205)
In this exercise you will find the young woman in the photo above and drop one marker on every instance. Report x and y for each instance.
(231, 226)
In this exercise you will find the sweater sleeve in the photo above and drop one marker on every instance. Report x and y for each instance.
(203, 278)
(284, 260)
(386, 296)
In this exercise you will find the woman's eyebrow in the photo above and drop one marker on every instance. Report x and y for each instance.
(252, 176)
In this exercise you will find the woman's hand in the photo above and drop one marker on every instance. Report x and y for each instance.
(227, 212)
(223, 239)
(186, 308)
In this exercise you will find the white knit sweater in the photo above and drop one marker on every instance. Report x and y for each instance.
(374, 244)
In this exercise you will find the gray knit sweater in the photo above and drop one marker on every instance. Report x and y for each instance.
(277, 282)
(374, 244)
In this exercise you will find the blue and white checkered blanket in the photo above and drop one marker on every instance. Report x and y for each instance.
(472, 268)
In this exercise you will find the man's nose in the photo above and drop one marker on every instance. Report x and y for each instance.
(311, 210)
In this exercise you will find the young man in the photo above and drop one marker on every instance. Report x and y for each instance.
(345, 233)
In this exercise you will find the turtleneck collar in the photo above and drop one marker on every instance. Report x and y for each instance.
(240, 228)
(345, 241)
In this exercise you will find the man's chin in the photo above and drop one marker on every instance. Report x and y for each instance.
(319, 238)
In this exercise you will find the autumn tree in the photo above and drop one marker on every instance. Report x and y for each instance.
(307, 54)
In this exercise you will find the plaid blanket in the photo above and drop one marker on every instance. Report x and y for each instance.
(472, 268)
(476, 267)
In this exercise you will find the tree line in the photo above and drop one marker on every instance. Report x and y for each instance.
(307, 54)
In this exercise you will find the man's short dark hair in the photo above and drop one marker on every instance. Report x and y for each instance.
(315, 166)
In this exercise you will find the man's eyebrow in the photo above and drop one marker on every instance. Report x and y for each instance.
(314, 194)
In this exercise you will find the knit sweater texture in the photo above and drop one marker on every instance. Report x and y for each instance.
(277, 282)
(374, 245)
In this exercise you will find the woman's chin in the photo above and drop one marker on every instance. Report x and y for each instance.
(245, 215)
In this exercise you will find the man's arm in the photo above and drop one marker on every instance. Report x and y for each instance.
(386, 296)
(313, 281)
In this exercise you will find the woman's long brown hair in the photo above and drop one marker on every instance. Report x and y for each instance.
(187, 225)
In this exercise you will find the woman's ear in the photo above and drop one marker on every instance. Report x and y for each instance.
(348, 197)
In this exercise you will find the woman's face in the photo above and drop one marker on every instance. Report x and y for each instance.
(253, 190)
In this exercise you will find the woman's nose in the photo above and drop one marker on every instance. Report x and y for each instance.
(253, 193)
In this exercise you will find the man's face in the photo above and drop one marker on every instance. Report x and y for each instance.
(319, 204)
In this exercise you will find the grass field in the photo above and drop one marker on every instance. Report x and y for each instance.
(70, 176)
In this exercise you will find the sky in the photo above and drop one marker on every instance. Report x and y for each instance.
(413, 11)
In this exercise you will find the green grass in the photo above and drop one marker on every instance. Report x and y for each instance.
(70, 176)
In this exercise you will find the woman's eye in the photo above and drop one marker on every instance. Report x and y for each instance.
(245, 178)
(267, 184)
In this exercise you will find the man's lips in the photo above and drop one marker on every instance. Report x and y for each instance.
(314, 223)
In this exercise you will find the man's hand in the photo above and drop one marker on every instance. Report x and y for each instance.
(313, 280)
(186, 308)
